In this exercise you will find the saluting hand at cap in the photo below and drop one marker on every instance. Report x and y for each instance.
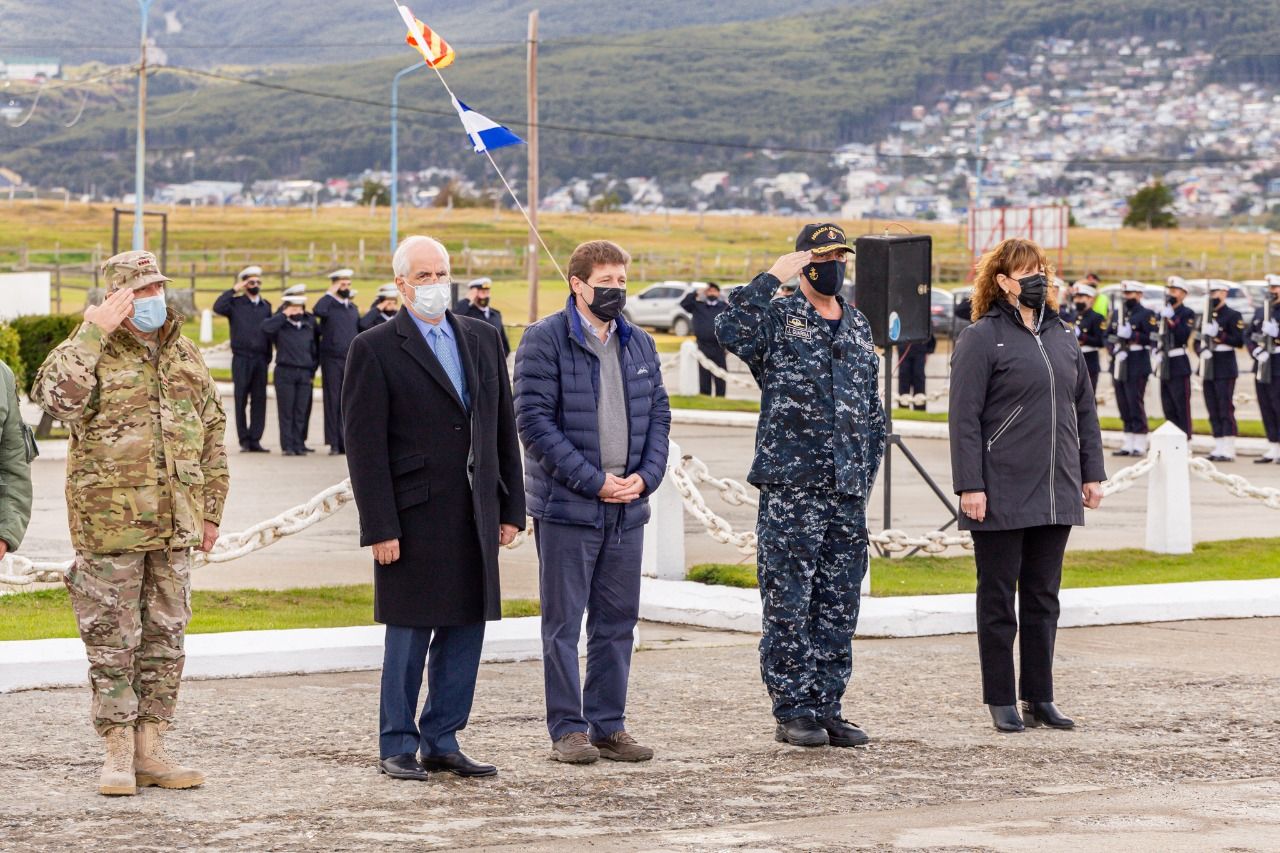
(114, 310)
(788, 266)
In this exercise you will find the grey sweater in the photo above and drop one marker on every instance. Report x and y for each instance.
(611, 409)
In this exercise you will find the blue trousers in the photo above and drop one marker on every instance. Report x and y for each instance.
(452, 659)
(812, 558)
(581, 568)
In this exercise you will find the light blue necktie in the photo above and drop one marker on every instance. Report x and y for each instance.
(444, 352)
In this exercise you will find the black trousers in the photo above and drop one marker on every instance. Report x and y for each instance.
(1093, 363)
(1269, 402)
(293, 404)
(1027, 561)
(249, 376)
(1131, 399)
(331, 373)
(1218, 399)
(1175, 398)
(911, 374)
(706, 380)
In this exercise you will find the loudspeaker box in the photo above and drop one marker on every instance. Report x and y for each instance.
(893, 279)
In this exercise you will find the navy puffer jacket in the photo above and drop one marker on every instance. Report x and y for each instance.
(557, 381)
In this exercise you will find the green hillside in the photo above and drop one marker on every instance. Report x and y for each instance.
(784, 83)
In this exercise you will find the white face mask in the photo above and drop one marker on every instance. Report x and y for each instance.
(431, 300)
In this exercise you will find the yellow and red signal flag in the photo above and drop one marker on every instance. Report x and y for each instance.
(435, 50)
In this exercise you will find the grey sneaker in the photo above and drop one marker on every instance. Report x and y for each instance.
(621, 746)
(574, 748)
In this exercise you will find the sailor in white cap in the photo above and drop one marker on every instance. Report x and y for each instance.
(385, 306)
(339, 325)
(1265, 333)
(295, 335)
(477, 305)
(245, 310)
(1066, 308)
(1135, 328)
(1171, 362)
(1221, 334)
(1091, 328)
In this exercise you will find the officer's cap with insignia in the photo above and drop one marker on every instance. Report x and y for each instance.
(250, 272)
(388, 291)
(294, 300)
(1176, 282)
(822, 238)
(343, 273)
(134, 270)
(1273, 280)
(1132, 287)
(1219, 286)
(1083, 289)
(296, 290)
(477, 283)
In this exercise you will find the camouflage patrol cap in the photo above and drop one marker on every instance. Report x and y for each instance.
(134, 270)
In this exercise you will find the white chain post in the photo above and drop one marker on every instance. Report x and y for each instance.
(664, 534)
(688, 379)
(1169, 493)
(206, 326)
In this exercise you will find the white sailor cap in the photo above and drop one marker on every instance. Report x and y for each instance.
(476, 283)
(1083, 289)
(1132, 287)
(1217, 285)
(1178, 282)
(1273, 280)
(388, 291)
(296, 290)
(1059, 283)
(249, 272)
(342, 273)
(294, 300)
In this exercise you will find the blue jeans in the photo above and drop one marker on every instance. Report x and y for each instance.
(452, 667)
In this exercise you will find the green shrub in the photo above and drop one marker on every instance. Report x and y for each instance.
(11, 352)
(39, 335)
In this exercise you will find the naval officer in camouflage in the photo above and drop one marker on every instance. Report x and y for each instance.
(146, 481)
(819, 444)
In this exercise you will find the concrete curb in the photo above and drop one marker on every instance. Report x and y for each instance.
(731, 609)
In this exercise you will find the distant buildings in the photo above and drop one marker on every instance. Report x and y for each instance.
(30, 69)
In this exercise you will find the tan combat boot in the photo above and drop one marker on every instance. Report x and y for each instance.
(153, 766)
(117, 771)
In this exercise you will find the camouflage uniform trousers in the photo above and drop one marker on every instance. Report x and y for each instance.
(132, 610)
(812, 559)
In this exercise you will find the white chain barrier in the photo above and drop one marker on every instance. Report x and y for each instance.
(1127, 478)
(719, 372)
(1235, 484)
(216, 348)
(919, 399)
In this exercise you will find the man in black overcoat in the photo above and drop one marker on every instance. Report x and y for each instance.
(435, 467)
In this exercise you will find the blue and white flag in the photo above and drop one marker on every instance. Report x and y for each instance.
(486, 134)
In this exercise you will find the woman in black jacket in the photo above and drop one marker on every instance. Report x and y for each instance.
(1026, 459)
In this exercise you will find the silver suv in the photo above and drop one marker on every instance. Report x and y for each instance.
(658, 307)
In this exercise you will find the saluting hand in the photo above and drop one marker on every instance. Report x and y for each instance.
(788, 267)
(113, 311)
(1092, 493)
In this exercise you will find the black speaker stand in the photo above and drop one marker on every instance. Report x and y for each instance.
(892, 439)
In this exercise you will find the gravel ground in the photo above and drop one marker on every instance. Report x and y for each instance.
(1164, 711)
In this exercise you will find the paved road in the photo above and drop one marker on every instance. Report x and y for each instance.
(1177, 748)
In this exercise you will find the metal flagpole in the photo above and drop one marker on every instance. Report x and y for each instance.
(395, 153)
(140, 162)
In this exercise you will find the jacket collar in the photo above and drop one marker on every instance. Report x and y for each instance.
(1001, 307)
(621, 327)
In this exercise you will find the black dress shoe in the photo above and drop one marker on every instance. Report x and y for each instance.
(1046, 714)
(404, 766)
(458, 764)
(258, 448)
(1006, 718)
(1120, 452)
(292, 453)
(802, 731)
(306, 449)
(1263, 460)
(841, 732)
(333, 451)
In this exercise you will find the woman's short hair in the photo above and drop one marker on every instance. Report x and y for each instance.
(1006, 258)
(596, 253)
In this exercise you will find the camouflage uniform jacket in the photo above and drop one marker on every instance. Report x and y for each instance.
(146, 465)
(821, 422)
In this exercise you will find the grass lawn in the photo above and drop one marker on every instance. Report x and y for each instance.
(1238, 559)
(47, 613)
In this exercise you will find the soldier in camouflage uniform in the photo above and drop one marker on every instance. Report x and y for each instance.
(146, 481)
(819, 444)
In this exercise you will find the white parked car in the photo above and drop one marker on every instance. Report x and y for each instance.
(658, 307)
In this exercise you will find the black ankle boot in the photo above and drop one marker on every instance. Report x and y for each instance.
(1046, 714)
(1006, 718)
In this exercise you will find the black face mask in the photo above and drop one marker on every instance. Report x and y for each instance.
(482, 302)
(1218, 303)
(827, 277)
(253, 290)
(607, 302)
(389, 312)
(1171, 300)
(1082, 306)
(1033, 291)
(1134, 301)
(344, 293)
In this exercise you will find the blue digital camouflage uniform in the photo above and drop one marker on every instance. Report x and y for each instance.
(819, 444)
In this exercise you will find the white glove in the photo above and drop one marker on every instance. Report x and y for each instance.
(1155, 361)
(1210, 329)
(1125, 332)
(1271, 329)
(1167, 312)
(1077, 331)
(1261, 355)
(1120, 357)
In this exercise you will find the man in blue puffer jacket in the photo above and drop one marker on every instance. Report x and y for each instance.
(594, 419)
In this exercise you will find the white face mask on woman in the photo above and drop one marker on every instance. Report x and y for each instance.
(431, 300)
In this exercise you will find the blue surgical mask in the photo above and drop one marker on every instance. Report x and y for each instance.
(149, 314)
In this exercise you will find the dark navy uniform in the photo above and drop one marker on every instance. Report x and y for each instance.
(703, 316)
(374, 318)
(1268, 391)
(493, 317)
(297, 345)
(1131, 365)
(819, 444)
(250, 360)
(912, 359)
(1175, 381)
(339, 325)
(1091, 332)
(1220, 381)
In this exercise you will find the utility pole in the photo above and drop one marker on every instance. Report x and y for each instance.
(531, 253)
(140, 164)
